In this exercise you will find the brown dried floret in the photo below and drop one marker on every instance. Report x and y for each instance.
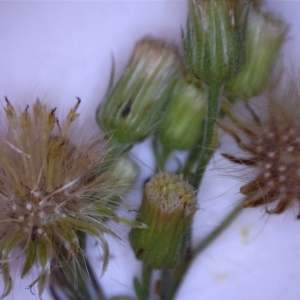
(269, 140)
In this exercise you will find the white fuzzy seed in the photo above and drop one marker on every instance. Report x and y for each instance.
(281, 168)
(282, 178)
(285, 138)
(271, 154)
(290, 149)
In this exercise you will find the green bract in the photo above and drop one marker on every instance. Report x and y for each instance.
(265, 36)
(167, 209)
(214, 38)
(181, 125)
(132, 109)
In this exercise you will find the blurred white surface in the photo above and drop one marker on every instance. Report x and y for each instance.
(58, 51)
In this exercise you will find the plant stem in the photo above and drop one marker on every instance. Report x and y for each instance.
(212, 112)
(218, 230)
(180, 272)
(62, 279)
(162, 154)
(166, 283)
(193, 155)
(143, 287)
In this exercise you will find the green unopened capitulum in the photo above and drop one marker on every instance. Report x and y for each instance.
(134, 106)
(167, 208)
(214, 38)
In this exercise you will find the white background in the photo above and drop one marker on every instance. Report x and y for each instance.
(58, 51)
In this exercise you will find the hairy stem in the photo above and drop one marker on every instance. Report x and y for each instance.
(212, 112)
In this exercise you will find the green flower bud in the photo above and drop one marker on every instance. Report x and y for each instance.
(214, 38)
(133, 108)
(265, 36)
(168, 205)
(183, 119)
(124, 172)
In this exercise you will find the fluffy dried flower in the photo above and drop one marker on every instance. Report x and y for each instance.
(270, 145)
(51, 188)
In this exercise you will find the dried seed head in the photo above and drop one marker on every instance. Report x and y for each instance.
(270, 143)
(51, 188)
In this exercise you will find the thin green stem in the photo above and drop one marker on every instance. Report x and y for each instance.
(143, 287)
(146, 278)
(218, 230)
(62, 279)
(166, 283)
(95, 284)
(180, 272)
(193, 156)
(212, 112)
(162, 153)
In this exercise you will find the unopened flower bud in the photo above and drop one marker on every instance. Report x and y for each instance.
(214, 38)
(265, 36)
(125, 172)
(182, 122)
(133, 108)
(167, 208)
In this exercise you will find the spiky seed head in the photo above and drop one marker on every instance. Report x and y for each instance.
(269, 144)
(167, 208)
(52, 186)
